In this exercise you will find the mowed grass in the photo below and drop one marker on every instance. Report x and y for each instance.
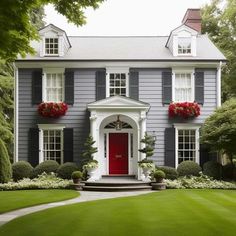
(12, 200)
(166, 213)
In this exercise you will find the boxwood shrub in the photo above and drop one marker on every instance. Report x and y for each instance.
(66, 169)
(47, 167)
(188, 168)
(21, 170)
(212, 169)
(171, 173)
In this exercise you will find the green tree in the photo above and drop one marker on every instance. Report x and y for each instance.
(5, 165)
(219, 21)
(89, 149)
(17, 30)
(149, 142)
(219, 130)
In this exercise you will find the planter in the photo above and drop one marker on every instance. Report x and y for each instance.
(76, 181)
(146, 171)
(92, 173)
(52, 109)
(158, 186)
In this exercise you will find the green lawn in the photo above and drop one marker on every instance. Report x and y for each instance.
(171, 212)
(11, 200)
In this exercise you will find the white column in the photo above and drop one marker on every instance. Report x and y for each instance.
(93, 125)
(219, 84)
(142, 131)
(16, 114)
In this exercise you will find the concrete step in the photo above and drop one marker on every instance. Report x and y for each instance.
(116, 188)
(119, 176)
(117, 183)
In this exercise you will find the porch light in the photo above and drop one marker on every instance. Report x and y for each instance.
(118, 123)
(154, 135)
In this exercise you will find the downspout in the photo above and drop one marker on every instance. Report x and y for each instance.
(15, 113)
(219, 85)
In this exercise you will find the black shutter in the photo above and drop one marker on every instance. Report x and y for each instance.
(68, 144)
(69, 86)
(166, 87)
(134, 85)
(37, 86)
(100, 84)
(199, 86)
(33, 148)
(170, 147)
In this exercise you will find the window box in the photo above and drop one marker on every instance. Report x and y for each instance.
(184, 110)
(52, 109)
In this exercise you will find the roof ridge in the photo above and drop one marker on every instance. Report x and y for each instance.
(117, 36)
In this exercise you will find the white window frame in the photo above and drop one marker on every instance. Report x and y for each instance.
(191, 46)
(45, 51)
(117, 71)
(187, 127)
(43, 127)
(44, 81)
(183, 71)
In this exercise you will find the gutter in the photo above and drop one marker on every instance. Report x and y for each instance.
(218, 85)
(16, 102)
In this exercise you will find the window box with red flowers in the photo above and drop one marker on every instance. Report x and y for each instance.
(184, 110)
(52, 109)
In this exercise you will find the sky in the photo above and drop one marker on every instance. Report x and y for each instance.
(128, 17)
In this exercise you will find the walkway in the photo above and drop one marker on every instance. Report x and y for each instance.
(85, 196)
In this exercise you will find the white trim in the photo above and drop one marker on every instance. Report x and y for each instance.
(51, 126)
(184, 71)
(117, 70)
(43, 127)
(195, 127)
(16, 113)
(52, 71)
(218, 85)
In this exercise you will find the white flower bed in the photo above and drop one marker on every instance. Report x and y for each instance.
(44, 181)
(201, 182)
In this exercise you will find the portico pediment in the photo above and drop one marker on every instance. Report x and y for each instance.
(118, 102)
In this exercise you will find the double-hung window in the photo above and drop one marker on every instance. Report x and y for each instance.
(187, 146)
(51, 46)
(117, 84)
(183, 87)
(51, 142)
(53, 86)
(184, 45)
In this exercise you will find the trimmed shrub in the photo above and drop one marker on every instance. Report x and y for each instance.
(188, 168)
(5, 165)
(228, 171)
(212, 169)
(47, 167)
(77, 175)
(66, 169)
(21, 170)
(159, 175)
(171, 173)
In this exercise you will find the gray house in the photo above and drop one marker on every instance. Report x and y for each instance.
(116, 89)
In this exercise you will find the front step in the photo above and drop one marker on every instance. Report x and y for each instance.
(116, 188)
(117, 183)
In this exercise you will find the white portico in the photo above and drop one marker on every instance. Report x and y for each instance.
(117, 125)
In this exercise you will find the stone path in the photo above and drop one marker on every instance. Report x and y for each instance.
(85, 196)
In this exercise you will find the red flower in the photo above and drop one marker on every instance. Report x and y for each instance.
(52, 109)
(184, 109)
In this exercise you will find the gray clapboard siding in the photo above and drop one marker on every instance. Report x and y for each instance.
(150, 91)
(77, 116)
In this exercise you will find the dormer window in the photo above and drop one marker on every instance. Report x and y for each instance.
(51, 46)
(184, 45)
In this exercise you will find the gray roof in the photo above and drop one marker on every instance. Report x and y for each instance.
(129, 48)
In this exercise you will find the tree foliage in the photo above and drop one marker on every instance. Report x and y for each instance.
(149, 142)
(5, 165)
(219, 22)
(16, 18)
(219, 130)
(89, 149)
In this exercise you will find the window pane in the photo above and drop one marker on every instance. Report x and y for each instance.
(117, 84)
(183, 90)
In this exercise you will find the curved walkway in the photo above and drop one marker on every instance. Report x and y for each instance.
(84, 197)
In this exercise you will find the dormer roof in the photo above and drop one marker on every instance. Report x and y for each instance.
(55, 29)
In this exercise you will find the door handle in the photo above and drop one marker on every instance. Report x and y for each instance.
(118, 156)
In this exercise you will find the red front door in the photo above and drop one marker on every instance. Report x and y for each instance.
(118, 153)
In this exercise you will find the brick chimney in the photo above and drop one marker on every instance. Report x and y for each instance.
(192, 18)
